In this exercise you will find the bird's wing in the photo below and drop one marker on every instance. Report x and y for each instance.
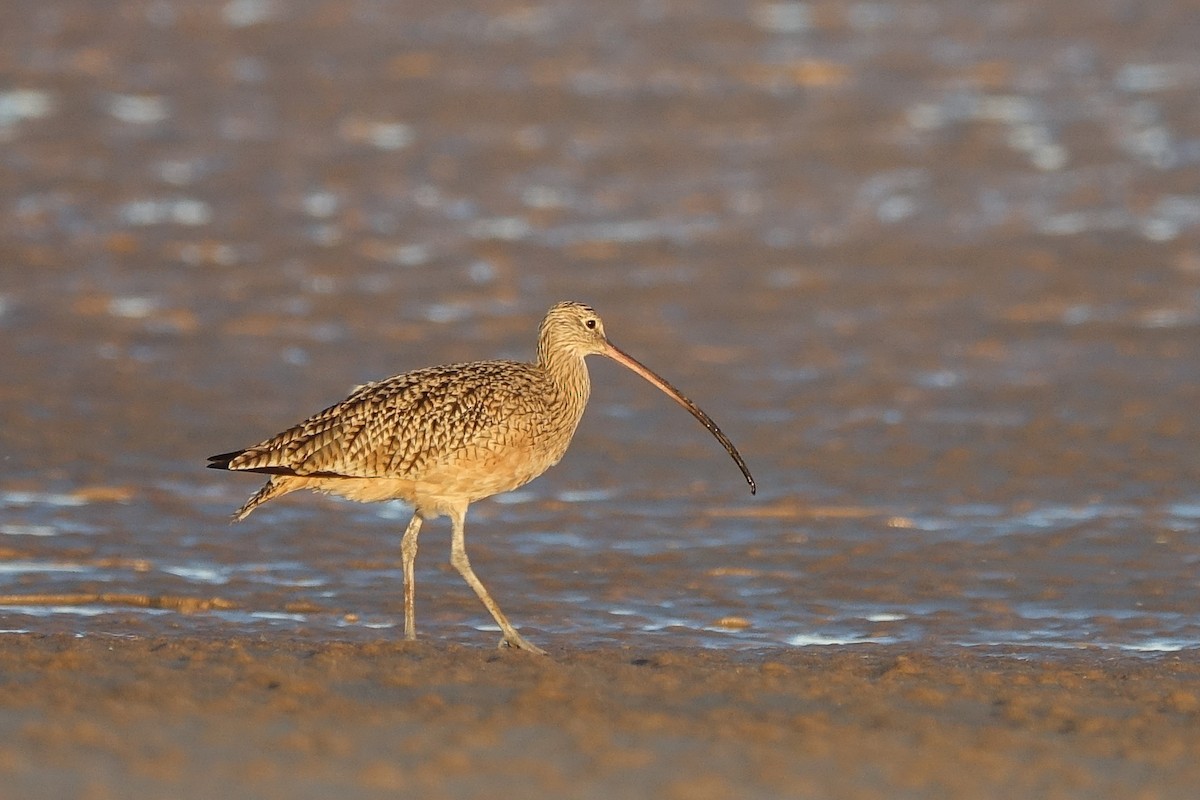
(401, 426)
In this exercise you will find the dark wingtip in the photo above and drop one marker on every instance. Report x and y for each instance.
(221, 461)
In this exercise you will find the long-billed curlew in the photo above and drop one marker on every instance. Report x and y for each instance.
(443, 437)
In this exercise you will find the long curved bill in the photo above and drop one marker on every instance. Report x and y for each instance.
(628, 361)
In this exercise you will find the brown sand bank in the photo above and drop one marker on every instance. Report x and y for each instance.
(174, 717)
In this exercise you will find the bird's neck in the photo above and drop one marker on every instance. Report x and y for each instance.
(569, 375)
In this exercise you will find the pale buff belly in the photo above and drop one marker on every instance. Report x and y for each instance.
(469, 477)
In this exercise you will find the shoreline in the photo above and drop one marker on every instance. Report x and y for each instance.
(101, 717)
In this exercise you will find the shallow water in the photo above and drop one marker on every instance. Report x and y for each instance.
(935, 268)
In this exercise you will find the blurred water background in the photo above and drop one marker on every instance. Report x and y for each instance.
(934, 267)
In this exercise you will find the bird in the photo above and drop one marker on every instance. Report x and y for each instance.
(444, 437)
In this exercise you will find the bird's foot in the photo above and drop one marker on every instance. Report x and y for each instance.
(519, 642)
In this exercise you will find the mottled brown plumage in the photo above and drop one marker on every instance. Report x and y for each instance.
(443, 437)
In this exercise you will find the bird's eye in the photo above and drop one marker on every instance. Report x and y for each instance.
(591, 324)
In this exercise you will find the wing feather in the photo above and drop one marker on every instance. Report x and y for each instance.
(407, 424)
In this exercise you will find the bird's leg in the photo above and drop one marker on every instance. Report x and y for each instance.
(458, 558)
(408, 551)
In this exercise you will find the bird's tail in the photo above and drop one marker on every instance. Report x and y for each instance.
(275, 486)
(281, 481)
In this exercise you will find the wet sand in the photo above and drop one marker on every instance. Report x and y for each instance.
(106, 717)
(934, 267)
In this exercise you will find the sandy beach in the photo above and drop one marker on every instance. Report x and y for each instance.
(106, 717)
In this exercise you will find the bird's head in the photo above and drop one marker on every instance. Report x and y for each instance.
(573, 328)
